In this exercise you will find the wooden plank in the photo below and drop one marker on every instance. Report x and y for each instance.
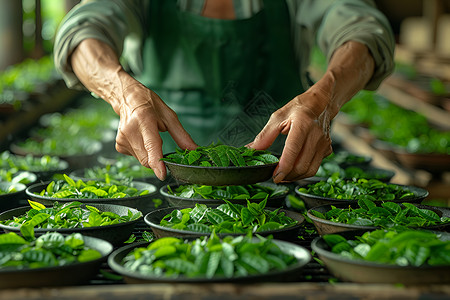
(268, 291)
(434, 114)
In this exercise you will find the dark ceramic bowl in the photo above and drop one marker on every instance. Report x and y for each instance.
(324, 226)
(73, 274)
(313, 200)
(116, 234)
(143, 203)
(14, 199)
(221, 175)
(178, 201)
(361, 271)
(289, 274)
(153, 219)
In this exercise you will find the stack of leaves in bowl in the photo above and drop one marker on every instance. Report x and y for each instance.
(134, 194)
(336, 190)
(219, 164)
(228, 218)
(367, 214)
(113, 223)
(210, 259)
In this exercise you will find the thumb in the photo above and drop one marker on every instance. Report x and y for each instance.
(265, 138)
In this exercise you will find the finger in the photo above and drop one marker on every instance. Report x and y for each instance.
(292, 148)
(266, 137)
(180, 135)
(152, 148)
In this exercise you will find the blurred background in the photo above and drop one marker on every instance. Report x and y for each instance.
(403, 127)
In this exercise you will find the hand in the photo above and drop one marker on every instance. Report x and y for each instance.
(142, 112)
(308, 136)
(142, 116)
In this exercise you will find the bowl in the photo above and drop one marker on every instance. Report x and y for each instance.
(154, 218)
(357, 271)
(432, 162)
(221, 175)
(324, 226)
(115, 234)
(373, 172)
(313, 200)
(14, 199)
(73, 274)
(143, 203)
(178, 201)
(289, 274)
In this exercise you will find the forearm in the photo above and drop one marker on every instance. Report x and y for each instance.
(349, 70)
(98, 68)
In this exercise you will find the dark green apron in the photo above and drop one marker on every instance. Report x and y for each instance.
(223, 78)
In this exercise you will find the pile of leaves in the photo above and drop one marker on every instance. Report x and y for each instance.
(66, 215)
(92, 189)
(11, 189)
(246, 192)
(228, 218)
(355, 189)
(208, 258)
(396, 246)
(49, 250)
(388, 214)
(118, 173)
(29, 163)
(221, 156)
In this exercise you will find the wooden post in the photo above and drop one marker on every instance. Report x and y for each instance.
(11, 48)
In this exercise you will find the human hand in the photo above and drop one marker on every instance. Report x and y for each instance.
(308, 135)
(142, 116)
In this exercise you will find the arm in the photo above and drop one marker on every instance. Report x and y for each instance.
(142, 113)
(306, 118)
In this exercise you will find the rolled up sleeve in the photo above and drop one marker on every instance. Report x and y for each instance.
(357, 20)
(108, 21)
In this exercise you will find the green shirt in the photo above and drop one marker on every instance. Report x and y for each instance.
(325, 23)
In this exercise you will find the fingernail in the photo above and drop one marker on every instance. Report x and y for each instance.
(278, 177)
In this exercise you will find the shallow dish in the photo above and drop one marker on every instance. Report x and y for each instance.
(115, 234)
(154, 218)
(289, 274)
(178, 201)
(313, 200)
(328, 227)
(73, 274)
(221, 175)
(143, 203)
(12, 200)
(361, 271)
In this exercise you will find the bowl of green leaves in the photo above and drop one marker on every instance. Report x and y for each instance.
(44, 167)
(225, 219)
(221, 165)
(52, 259)
(187, 195)
(110, 222)
(397, 255)
(139, 195)
(210, 259)
(370, 215)
(338, 190)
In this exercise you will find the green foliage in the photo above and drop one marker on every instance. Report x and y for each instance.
(66, 215)
(385, 215)
(396, 246)
(91, 189)
(228, 218)
(247, 192)
(15, 163)
(218, 155)
(208, 258)
(390, 123)
(49, 250)
(355, 189)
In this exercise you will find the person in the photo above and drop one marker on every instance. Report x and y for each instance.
(182, 72)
